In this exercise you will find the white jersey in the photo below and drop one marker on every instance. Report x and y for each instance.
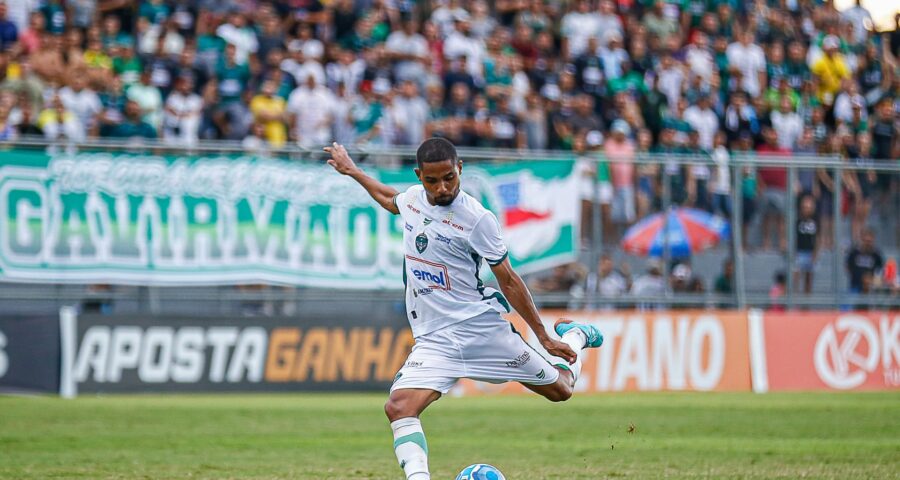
(443, 247)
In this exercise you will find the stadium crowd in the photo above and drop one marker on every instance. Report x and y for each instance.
(621, 77)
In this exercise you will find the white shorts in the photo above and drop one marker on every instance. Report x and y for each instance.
(484, 348)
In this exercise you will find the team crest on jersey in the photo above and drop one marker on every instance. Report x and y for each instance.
(421, 242)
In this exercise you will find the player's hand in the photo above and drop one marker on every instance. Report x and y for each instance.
(559, 349)
(340, 159)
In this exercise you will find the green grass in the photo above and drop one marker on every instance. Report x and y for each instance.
(840, 436)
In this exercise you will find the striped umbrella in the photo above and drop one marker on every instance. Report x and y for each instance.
(687, 229)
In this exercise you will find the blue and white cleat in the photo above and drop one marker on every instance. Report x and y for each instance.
(591, 333)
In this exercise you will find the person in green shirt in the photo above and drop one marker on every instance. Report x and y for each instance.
(54, 17)
(126, 65)
(630, 81)
(132, 126)
(232, 77)
(783, 89)
(155, 11)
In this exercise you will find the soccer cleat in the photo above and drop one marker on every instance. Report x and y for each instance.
(592, 333)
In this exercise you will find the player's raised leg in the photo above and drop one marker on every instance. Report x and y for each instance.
(403, 409)
(578, 337)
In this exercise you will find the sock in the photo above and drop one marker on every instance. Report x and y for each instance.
(576, 339)
(410, 447)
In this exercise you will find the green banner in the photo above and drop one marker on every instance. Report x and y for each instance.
(153, 220)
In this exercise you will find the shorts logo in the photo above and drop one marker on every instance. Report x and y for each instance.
(435, 275)
(520, 360)
(421, 292)
(413, 364)
(541, 375)
(421, 242)
(397, 377)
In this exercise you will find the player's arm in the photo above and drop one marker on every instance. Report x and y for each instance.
(344, 165)
(519, 297)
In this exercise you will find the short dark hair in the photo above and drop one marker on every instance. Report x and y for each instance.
(436, 150)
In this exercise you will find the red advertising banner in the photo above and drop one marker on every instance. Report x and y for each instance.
(653, 351)
(825, 351)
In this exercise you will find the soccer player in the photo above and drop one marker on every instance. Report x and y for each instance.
(455, 318)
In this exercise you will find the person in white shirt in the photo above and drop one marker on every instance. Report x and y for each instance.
(455, 318)
(148, 98)
(699, 57)
(721, 177)
(445, 15)
(608, 23)
(81, 101)
(861, 20)
(787, 123)
(704, 120)
(310, 109)
(182, 114)
(577, 26)
(411, 113)
(300, 67)
(846, 100)
(460, 44)
(237, 33)
(409, 50)
(750, 60)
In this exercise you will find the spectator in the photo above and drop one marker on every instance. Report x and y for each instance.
(577, 27)
(863, 261)
(620, 152)
(650, 284)
(609, 281)
(749, 60)
(787, 123)
(721, 178)
(724, 284)
(807, 229)
(777, 292)
(269, 112)
(704, 120)
(182, 114)
(9, 32)
(773, 182)
(238, 34)
(831, 70)
(81, 101)
(410, 115)
(133, 126)
(58, 123)
(409, 50)
(148, 98)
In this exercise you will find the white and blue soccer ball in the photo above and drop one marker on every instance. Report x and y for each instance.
(480, 471)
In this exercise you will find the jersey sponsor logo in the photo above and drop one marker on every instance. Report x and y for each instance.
(435, 274)
(413, 364)
(421, 242)
(520, 360)
(454, 225)
(442, 238)
(414, 209)
(408, 227)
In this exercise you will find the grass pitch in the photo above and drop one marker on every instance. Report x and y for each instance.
(838, 436)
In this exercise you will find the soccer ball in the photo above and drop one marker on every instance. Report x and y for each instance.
(480, 471)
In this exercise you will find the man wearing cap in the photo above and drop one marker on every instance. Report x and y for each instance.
(831, 69)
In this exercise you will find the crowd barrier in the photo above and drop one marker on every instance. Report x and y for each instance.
(643, 351)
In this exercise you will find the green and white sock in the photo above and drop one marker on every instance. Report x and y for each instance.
(410, 447)
(575, 339)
